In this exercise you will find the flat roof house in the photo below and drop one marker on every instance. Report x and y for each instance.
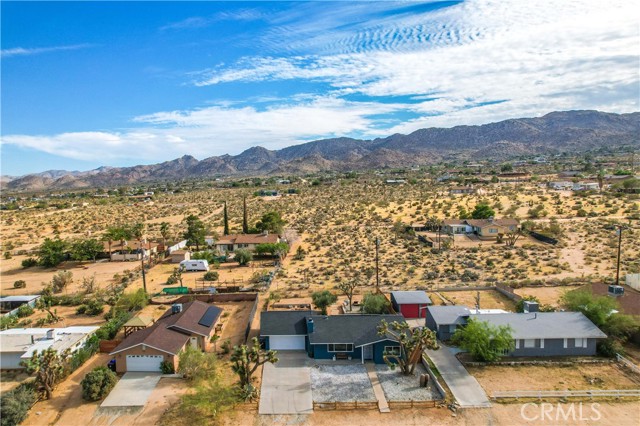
(10, 304)
(18, 344)
(410, 304)
(191, 323)
(328, 337)
(444, 320)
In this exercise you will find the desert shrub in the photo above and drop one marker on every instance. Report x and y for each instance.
(24, 311)
(133, 301)
(15, 404)
(29, 262)
(211, 276)
(243, 256)
(167, 367)
(8, 321)
(19, 284)
(609, 348)
(61, 280)
(98, 383)
(375, 304)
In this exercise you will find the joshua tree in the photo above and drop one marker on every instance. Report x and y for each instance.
(412, 344)
(246, 360)
(48, 367)
(348, 288)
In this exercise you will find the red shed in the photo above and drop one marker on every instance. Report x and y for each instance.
(411, 304)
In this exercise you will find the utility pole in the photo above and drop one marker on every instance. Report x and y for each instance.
(144, 278)
(619, 231)
(377, 268)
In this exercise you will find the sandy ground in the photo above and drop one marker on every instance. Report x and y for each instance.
(489, 299)
(533, 377)
(11, 271)
(610, 414)
(67, 399)
(546, 295)
(10, 379)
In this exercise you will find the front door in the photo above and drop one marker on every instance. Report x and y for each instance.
(367, 352)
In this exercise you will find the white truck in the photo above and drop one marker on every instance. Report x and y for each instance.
(194, 265)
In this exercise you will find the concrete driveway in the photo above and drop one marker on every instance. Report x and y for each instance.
(464, 386)
(286, 385)
(132, 390)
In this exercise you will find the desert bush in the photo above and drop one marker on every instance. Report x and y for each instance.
(167, 367)
(24, 311)
(29, 262)
(211, 276)
(15, 404)
(61, 280)
(19, 284)
(98, 383)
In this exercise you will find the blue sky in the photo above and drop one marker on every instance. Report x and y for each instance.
(86, 84)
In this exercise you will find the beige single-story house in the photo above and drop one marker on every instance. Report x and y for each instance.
(178, 256)
(191, 323)
(230, 243)
(483, 228)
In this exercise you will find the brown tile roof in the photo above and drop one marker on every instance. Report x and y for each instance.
(172, 331)
(453, 222)
(481, 223)
(248, 239)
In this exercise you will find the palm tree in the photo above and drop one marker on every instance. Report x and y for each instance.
(164, 231)
(110, 235)
(137, 232)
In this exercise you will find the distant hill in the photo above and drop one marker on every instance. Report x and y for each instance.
(572, 131)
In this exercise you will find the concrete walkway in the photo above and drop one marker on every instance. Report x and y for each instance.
(286, 385)
(132, 390)
(465, 388)
(383, 405)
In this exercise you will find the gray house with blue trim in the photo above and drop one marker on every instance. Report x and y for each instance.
(535, 333)
(327, 336)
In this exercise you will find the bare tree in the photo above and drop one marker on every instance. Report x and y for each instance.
(348, 288)
(512, 237)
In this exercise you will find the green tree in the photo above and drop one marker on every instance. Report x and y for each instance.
(86, 249)
(111, 234)
(596, 308)
(246, 360)
(272, 222)
(323, 299)
(506, 168)
(195, 364)
(245, 223)
(226, 220)
(484, 341)
(98, 383)
(482, 211)
(52, 252)
(196, 231)
(348, 288)
(48, 367)
(412, 344)
(375, 304)
(243, 256)
(165, 231)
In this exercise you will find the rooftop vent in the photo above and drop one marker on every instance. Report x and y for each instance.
(176, 308)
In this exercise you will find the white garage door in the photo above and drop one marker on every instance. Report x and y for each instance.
(286, 343)
(10, 360)
(144, 362)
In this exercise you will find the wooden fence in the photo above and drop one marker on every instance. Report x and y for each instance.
(107, 346)
(348, 405)
(590, 393)
(627, 363)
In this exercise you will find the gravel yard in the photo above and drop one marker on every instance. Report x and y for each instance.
(398, 387)
(342, 383)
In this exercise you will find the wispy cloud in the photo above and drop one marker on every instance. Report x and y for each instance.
(27, 51)
(195, 22)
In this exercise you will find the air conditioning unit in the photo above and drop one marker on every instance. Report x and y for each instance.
(616, 290)
(176, 308)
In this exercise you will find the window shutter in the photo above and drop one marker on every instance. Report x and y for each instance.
(541, 343)
(565, 343)
(517, 343)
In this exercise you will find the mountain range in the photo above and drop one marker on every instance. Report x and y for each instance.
(567, 131)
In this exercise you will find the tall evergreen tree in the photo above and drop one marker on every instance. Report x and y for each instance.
(226, 220)
(245, 224)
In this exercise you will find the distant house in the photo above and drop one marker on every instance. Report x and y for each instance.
(267, 192)
(561, 185)
(130, 250)
(410, 304)
(327, 337)
(483, 228)
(10, 304)
(514, 177)
(395, 181)
(187, 324)
(535, 333)
(586, 186)
(465, 190)
(18, 344)
(249, 242)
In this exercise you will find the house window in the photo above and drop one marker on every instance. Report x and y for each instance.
(392, 350)
(529, 343)
(340, 347)
(580, 343)
(493, 231)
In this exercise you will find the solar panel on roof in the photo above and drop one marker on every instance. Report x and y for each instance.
(209, 316)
